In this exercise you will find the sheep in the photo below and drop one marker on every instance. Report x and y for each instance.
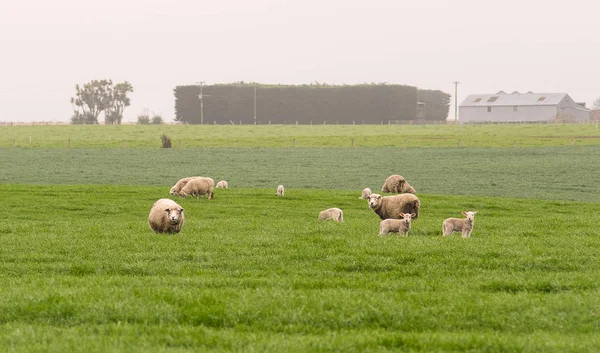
(391, 206)
(334, 214)
(401, 225)
(222, 185)
(197, 187)
(280, 190)
(181, 183)
(463, 225)
(398, 185)
(365, 194)
(166, 216)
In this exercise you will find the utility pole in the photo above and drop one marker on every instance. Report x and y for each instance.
(254, 105)
(201, 103)
(456, 101)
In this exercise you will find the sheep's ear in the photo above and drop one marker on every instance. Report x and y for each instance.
(181, 209)
(464, 213)
(167, 210)
(378, 197)
(401, 214)
(413, 215)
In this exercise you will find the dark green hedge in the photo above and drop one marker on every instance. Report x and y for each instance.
(371, 103)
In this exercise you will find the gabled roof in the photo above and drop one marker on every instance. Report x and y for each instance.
(515, 98)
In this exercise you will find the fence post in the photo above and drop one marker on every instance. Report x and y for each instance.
(179, 143)
(14, 142)
(572, 142)
(123, 143)
(294, 142)
(352, 143)
(405, 143)
(69, 145)
(459, 143)
(515, 144)
(30, 139)
(234, 145)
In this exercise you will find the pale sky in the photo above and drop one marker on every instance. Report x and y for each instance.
(46, 47)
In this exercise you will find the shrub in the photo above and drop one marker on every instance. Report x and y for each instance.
(157, 120)
(143, 119)
(166, 141)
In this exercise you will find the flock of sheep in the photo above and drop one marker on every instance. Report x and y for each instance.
(396, 212)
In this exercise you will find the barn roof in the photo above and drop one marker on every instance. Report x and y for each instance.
(515, 98)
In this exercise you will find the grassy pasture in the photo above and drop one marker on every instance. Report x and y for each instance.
(81, 271)
(563, 173)
(266, 136)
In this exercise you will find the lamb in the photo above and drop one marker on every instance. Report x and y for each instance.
(222, 185)
(181, 183)
(197, 187)
(463, 225)
(365, 194)
(334, 214)
(280, 190)
(166, 216)
(401, 225)
(391, 206)
(398, 185)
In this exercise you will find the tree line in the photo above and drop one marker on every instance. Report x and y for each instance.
(306, 104)
(97, 97)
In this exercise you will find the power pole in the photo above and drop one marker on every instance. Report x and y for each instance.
(254, 105)
(456, 101)
(201, 103)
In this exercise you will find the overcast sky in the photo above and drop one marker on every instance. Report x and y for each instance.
(46, 47)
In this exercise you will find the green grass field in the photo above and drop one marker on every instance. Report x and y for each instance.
(80, 269)
(279, 136)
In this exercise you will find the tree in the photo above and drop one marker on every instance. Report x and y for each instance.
(597, 103)
(99, 96)
(157, 120)
(118, 100)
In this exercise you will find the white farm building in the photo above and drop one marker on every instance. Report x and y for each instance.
(521, 107)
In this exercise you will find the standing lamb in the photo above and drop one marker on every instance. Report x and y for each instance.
(280, 190)
(197, 187)
(334, 214)
(391, 206)
(398, 185)
(166, 216)
(181, 183)
(222, 185)
(401, 225)
(463, 225)
(365, 194)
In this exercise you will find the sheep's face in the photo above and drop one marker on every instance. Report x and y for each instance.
(470, 215)
(174, 214)
(408, 189)
(374, 200)
(407, 217)
(173, 192)
(366, 192)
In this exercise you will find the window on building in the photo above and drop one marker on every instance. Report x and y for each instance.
(493, 99)
(541, 99)
(477, 100)
(515, 108)
(489, 109)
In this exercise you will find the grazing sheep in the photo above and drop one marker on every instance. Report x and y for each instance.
(280, 190)
(391, 206)
(335, 214)
(365, 194)
(398, 185)
(181, 183)
(166, 216)
(401, 225)
(463, 225)
(197, 187)
(222, 185)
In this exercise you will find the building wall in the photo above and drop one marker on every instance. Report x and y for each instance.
(507, 114)
(569, 110)
(595, 115)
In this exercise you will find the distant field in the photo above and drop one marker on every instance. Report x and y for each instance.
(567, 173)
(269, 136)
(81, 271)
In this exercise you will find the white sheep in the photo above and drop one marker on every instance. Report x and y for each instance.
(401, 225)
(365, 194)
(166, 216)
(280, 190)
(181, 183)
(334, 214)
(197, 187)
(222, 185)
(463, 225)
(391, 206)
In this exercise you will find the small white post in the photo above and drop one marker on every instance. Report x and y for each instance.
(29, 138)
